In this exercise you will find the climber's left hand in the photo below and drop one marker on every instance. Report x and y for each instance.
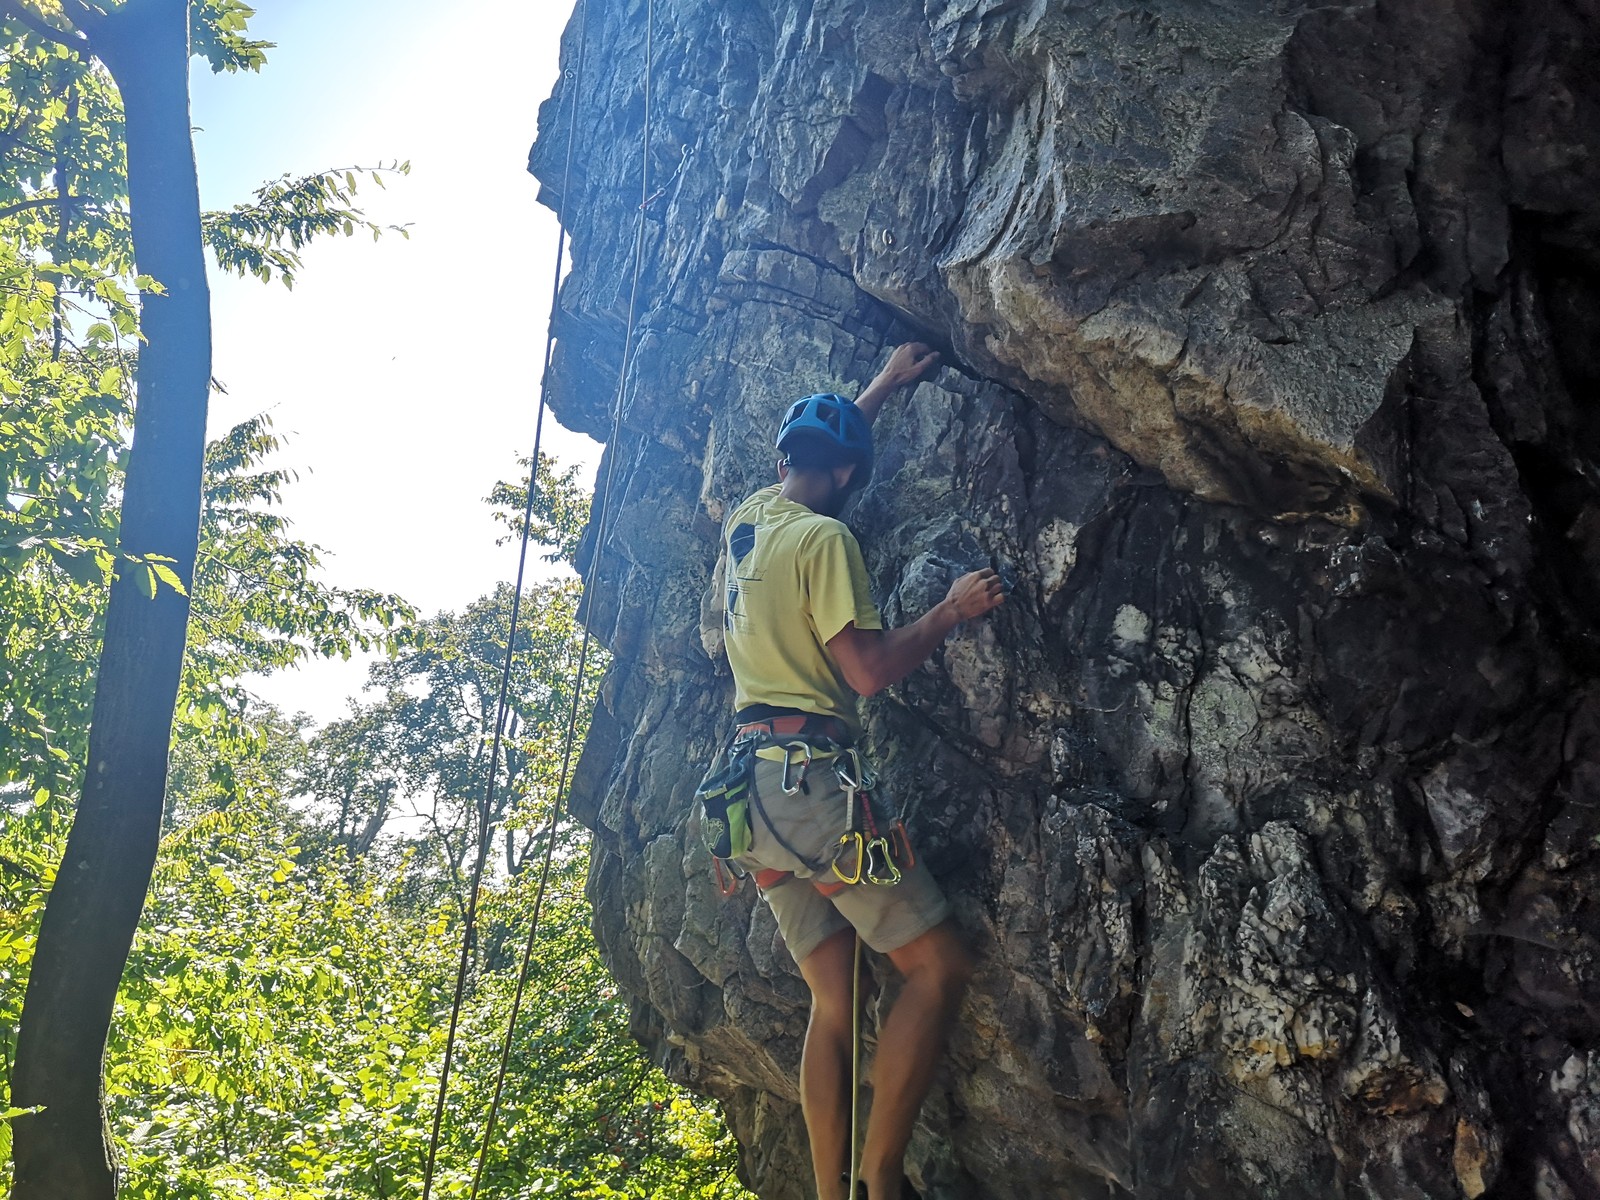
(910, 363)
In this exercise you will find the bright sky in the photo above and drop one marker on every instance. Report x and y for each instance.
(404, 372)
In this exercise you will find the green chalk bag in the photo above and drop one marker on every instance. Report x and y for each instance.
(724, 796)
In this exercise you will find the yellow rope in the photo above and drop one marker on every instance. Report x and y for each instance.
(855, 1069)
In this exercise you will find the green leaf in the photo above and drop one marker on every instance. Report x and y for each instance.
(168, 576)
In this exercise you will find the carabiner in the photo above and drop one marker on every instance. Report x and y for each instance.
(880, 868)
(788, 761)
(853, 776)
(845, 840)
(727, 883)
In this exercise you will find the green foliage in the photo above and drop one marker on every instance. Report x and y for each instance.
(218, 33)
(259, 604)
(560, 509)
(274, 1031)
(29, 852)
(55, 533)
(266, 236)
(440, 696)
(281, 1023)
(282, 1019)
(64, 400)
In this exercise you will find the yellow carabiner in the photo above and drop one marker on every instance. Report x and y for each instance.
(845, 840)
(878, 857)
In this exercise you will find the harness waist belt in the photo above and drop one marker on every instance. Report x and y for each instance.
(798, 725)
(798, 752)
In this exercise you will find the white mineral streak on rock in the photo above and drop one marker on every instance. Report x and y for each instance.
(1131, 626)
(1056, 550)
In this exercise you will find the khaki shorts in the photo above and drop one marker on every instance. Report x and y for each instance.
(810, 822)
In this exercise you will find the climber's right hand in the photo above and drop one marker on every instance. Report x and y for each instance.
(976, 593)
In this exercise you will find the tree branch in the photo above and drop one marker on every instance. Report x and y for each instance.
(70, 38)
(64, 206)
(85, 16)
(24, 205)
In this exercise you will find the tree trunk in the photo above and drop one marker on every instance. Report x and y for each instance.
(94, 907)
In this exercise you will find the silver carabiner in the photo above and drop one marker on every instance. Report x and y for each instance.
(852, 775)
(788, 761)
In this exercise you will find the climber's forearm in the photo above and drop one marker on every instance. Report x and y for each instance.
(873, 659)
(873, 396)
(906, 366)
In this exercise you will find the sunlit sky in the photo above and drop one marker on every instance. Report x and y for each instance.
(404, 373)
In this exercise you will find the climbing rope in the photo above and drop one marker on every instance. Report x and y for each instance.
(502, 708)
(549, 832)
(855, 1070)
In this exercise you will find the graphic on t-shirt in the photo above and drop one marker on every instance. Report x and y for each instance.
(740, 544)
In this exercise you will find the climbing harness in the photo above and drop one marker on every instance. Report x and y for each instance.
(733, 815)
(863, 853)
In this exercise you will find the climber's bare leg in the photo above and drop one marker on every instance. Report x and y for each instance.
(936, 967)
(825, 1062)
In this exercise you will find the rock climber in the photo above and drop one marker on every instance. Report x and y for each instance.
(803, 639)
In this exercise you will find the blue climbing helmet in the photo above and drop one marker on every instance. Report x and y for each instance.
(832, 425)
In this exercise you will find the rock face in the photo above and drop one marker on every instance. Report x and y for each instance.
(1269, 801)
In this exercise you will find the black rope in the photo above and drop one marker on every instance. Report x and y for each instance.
(502, 705)
(502, 708)
(595, 570)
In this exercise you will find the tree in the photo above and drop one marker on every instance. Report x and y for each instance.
(278, 1032)
(559, 514)
(94, 907)
(441, 699)
(258, 606)
(115, 168)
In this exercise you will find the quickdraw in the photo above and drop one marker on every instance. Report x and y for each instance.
(875, 852)
(851, 837)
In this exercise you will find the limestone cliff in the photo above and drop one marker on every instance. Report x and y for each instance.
(1270, 800)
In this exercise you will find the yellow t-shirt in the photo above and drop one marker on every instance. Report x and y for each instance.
(794, 578)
